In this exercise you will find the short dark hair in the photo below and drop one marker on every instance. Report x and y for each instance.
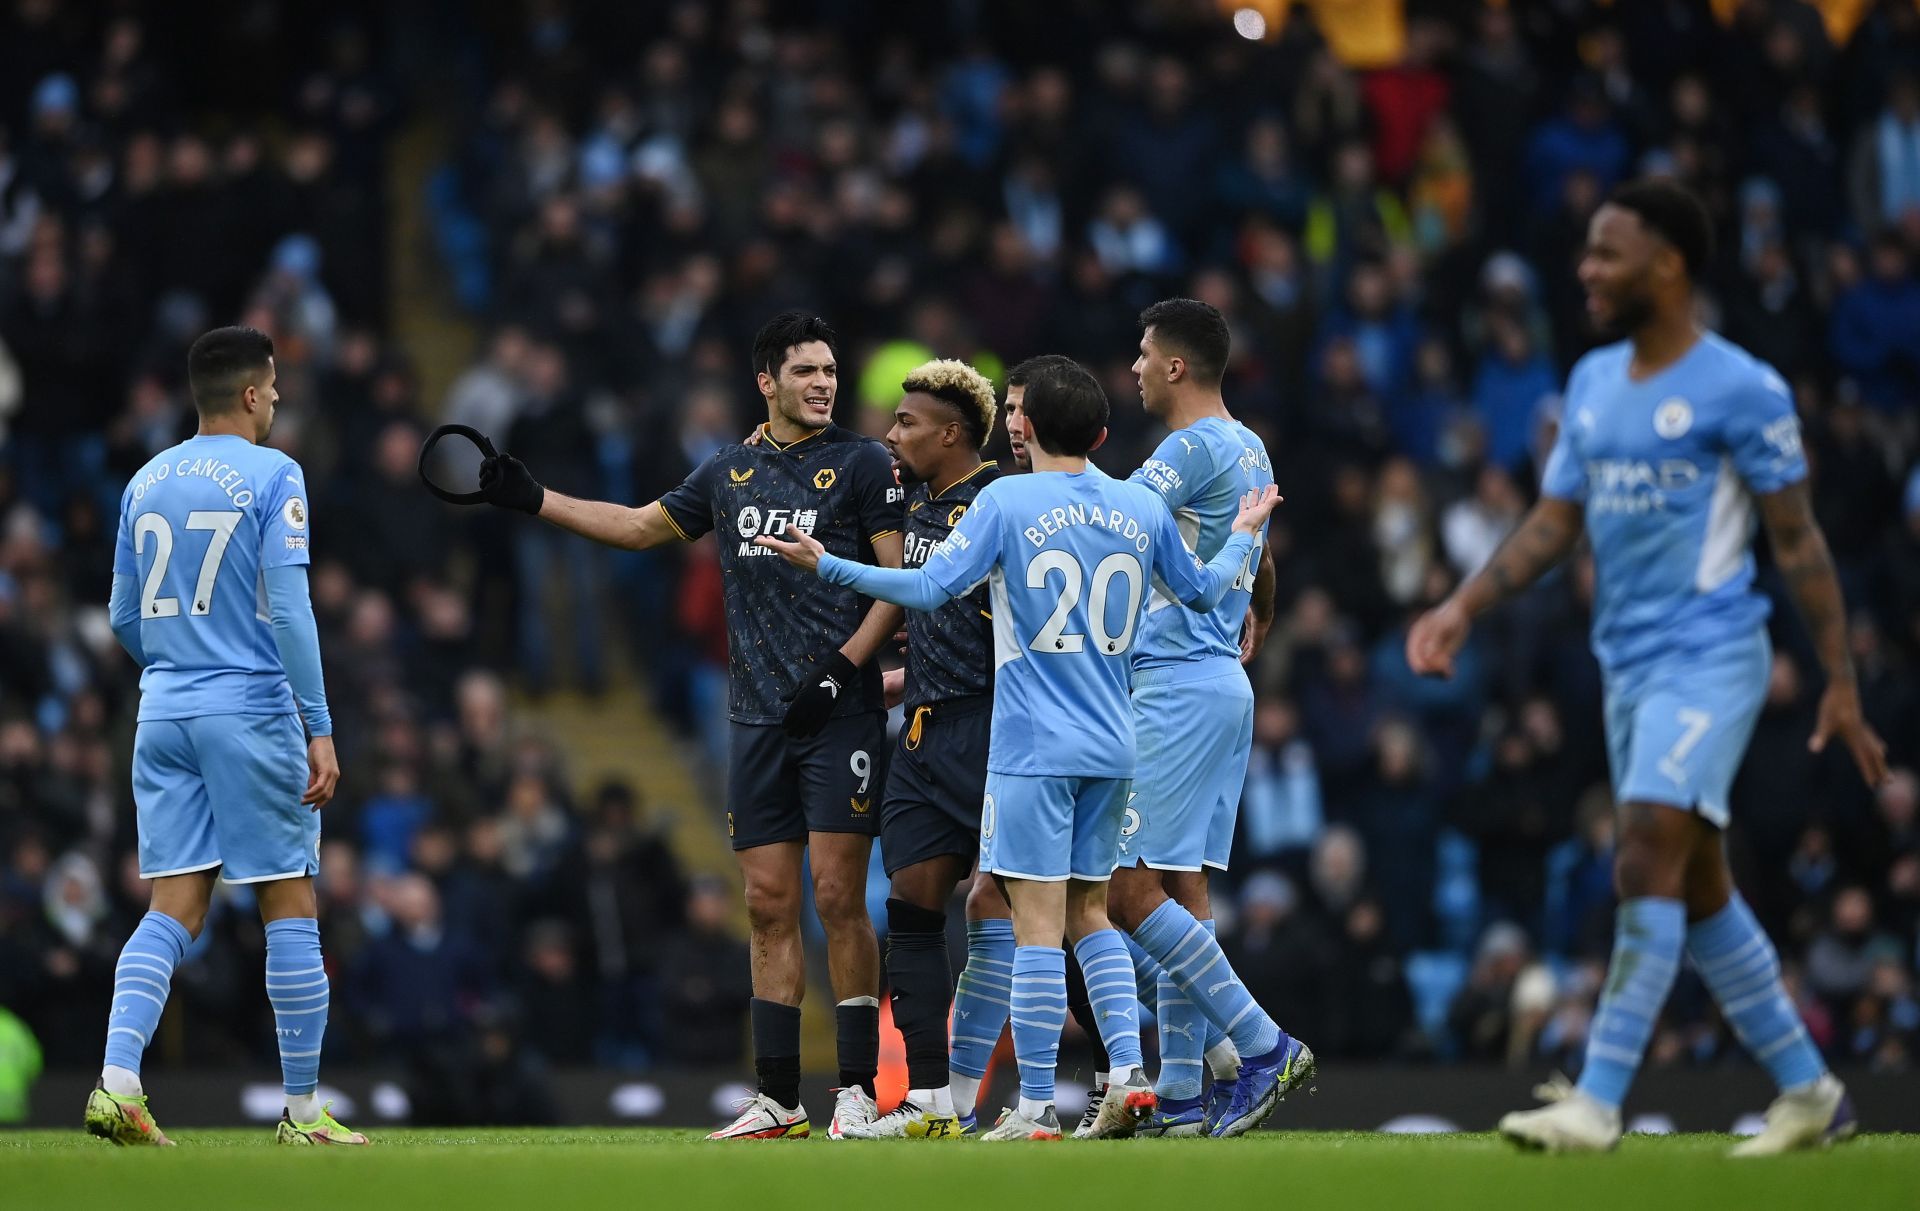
(1065, 408)
(1024, 372)
(1672, 212)
(782, 333)
(1194, 330)
(223, 362)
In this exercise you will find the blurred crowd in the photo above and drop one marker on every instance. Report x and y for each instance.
(626, 192)
(478, 919)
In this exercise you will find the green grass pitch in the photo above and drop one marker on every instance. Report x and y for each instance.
(551, 1170)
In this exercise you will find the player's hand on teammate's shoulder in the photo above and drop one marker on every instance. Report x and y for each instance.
(323, 772)
(1255, 507)
(508, 484)
(1434, 638)
(803, 552)
(753, 438)
(1841, 715)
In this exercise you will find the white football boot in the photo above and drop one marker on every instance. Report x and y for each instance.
(762, 1118)
(1814, 1116)
(853, 1114)
(1571, 1121)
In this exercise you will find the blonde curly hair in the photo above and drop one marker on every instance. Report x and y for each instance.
(956, 383)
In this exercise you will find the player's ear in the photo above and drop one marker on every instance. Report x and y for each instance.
(1673, 265)
(1098, 441)
(764, 381)
(1176, 369)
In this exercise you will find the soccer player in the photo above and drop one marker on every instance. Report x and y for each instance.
(981, 996)
(1067, 556)
(930, 817)
(210, 598)
(1193, 714)
(807, 719)
(1668, 440)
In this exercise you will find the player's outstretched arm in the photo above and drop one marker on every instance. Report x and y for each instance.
(1545, 536)
(508, 484)
(609, 524)
(913, 589)
(1800, 552)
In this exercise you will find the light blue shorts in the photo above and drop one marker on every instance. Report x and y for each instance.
(1048, 829)
(1193, 724)
(224, 790)
(1677, 731)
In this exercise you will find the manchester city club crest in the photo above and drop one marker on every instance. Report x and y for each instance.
(1673, 418)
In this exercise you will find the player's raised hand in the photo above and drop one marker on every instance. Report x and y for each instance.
(508, 484)
(1435, 637)
(1255, 507)
(323, 772)
(1840, 715)
(802, 552)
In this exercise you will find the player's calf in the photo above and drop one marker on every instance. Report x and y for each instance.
(981, 1001)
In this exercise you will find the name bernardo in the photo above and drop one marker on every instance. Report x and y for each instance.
(1056, 520)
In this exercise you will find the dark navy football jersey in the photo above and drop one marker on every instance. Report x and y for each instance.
(950, 650)
(782, 621)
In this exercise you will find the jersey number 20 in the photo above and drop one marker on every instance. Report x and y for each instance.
(220, 524)
(1054, 636)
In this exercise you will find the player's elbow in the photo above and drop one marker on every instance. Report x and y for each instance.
(647, 527)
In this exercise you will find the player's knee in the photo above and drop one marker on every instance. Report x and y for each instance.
(1131, 899)
(772, 908)
(1641, 867)
(922, 888)
(984, 901)
(193, 919)
(841, 903)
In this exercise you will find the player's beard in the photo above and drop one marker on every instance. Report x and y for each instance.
(793, 409)
(905, 471)
(1631, 312)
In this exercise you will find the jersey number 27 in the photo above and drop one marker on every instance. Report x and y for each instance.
(220, 524)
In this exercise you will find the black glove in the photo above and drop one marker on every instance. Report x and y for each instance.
(506, 483)
(813, 705)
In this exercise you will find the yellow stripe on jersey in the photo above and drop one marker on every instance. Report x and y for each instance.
(664, 512)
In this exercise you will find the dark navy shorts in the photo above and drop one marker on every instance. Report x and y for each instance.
(779, 789)
(936, 783)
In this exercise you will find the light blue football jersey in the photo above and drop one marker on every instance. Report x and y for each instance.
(1201, 472)
(1667, 470)
(199, 526)
(1068, 558)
